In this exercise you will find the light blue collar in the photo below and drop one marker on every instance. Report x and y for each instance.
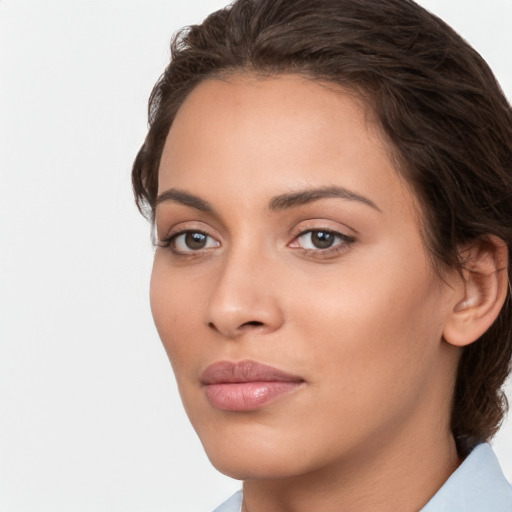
(234, 504)
(478, 485)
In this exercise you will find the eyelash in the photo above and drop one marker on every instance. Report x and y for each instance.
(168, 241)
(344, 241)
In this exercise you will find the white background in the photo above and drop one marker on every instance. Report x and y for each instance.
(90, 419)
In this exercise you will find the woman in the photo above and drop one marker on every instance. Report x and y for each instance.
(330, 183)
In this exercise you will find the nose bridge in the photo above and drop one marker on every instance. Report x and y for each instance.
(244, 298)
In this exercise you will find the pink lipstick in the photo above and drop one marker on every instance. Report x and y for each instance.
(246, 385)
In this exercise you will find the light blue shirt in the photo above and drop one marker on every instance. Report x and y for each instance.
(478, 485)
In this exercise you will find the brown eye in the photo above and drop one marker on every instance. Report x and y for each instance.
(192, 241)
(322, 239)
(195, 241)
(319, 239)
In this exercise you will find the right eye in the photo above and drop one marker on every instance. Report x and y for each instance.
(187, 242)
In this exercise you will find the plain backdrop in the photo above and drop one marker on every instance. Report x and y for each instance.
(90, 419)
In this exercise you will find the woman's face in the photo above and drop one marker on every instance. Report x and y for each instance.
(291, 260)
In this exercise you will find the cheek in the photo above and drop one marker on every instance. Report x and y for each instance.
(375, 329)
(176, 312)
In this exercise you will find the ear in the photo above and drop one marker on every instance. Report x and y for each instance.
(481, 293)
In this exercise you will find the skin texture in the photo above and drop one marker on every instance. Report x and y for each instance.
(361, 322)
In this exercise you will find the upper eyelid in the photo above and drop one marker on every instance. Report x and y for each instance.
(320, 228)
(323, 225)
(344, 237)
(187, 226)
(167, 215)
(174, 233)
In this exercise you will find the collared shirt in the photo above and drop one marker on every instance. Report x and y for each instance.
(478, 485)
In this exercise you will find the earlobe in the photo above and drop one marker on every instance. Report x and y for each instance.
(482, 292)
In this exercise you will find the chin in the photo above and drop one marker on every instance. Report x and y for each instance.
(251, 454)
(249, 465)
(263, 453)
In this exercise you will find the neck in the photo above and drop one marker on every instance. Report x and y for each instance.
(398, 476)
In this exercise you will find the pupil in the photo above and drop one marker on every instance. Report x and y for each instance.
(195, 240)
(322, 239)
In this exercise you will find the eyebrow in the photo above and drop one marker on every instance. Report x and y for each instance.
(179, 196)
(277, 203)
(293, 199)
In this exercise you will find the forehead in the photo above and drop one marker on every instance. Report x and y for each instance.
(270, 134)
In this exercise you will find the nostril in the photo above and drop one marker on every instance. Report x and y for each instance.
(254, 323)
(241, 328)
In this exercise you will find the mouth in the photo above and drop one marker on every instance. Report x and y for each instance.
(246, 385)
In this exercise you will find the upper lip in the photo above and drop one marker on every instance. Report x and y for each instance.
(225, 372)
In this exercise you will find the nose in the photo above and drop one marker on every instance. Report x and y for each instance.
(245, 298)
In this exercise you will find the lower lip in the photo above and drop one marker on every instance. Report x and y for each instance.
(247, 396)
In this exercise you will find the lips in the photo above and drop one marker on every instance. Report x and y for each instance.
(246, 385)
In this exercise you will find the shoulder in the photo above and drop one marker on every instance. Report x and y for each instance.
(478, 485)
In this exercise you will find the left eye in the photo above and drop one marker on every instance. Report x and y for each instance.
(190, 241)
(320, 239)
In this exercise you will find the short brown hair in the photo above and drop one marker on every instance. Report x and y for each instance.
(438, 103)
